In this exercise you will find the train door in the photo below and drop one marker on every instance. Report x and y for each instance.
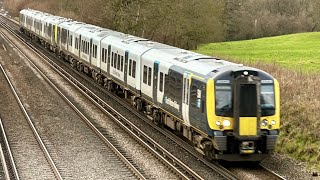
(186, 97)
(155, 79)
(246, 110)
(126, 57)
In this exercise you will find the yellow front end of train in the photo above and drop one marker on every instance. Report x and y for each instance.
(243, 111)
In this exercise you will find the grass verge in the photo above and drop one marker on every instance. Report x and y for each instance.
(294, 60)
(296, 51)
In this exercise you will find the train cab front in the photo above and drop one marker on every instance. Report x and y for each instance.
(245, 119)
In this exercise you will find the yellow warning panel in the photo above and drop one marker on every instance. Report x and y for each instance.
(248, 126)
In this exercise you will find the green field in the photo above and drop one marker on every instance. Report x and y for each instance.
(295, 51)
(300, 97)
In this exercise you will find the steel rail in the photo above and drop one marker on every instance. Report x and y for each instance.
(170, 160)
(83, 117)
(13, 164)
(220, 169)
(34, 130)
(273, 173)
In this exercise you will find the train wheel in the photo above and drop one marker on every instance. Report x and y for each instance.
(99, 79)
(81, 67)
(73, 63)
(139, 105)
(156, 116)
(110, 86)
(208, 150)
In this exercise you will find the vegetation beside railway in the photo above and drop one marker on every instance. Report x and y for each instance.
(295, 51)
(185, 23)
(294, 60)
(298, 54)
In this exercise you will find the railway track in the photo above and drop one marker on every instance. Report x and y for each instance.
(8, 166)
(178, 167)
(118, 159)
(174, 140)
(36, 144)
(247, 171)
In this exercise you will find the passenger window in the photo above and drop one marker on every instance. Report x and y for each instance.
(121, 63)
(112, 59)
(130, 65)
(76, 45)
(103, 55)
(88, 46)
(149, 77)
(95, 51)
(145, 72)
(161, 82)
(70, 40)
(109, 51)
(82, 46)
(134, 69)
(118, 61)
(92, 54)
(86, 49)
(115, 60)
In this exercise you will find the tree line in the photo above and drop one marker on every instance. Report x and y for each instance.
(187, 23)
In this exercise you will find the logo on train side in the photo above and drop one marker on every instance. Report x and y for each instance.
(116, 73)
(223, 81)
(171, 103)
(266, 81)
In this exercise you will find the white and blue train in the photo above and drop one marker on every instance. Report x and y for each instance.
(228, 111)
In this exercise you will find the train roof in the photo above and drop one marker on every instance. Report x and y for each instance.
(189, 60)
(69, 24)
(29, 13)
(202, 64)
(125, 41)
(41, 16)
(163, 53)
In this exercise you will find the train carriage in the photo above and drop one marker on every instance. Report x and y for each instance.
(22, 18)
(39, 23)
(27, 19)
(121, 62)
(65, 39)
(228, 111)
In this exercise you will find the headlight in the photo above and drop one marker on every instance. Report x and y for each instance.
(273, 122)
(218, 123)
(264, 123)
(226, 123)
